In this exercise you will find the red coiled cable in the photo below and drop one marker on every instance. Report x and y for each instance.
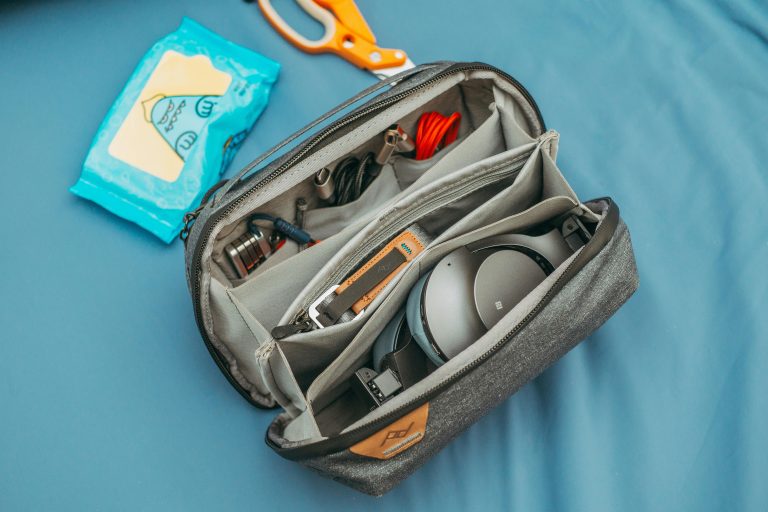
(435, 129)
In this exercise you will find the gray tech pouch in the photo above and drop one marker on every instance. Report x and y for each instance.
(499, 177)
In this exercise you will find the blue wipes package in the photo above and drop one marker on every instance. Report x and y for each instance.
(175, 127)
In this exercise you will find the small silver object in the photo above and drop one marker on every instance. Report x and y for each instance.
(301, 208)
(324, 185)
(248, 251)
(395, 139)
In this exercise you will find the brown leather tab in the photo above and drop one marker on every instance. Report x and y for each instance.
(406, 243)
(395, 438)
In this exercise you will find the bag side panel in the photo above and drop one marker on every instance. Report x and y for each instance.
(584, 304)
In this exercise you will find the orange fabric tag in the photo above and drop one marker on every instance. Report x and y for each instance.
(407, 243)
(397, 437)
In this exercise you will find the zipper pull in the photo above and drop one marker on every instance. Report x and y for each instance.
(283, 331)
(299, 323)
(189, 219)
(300, 316)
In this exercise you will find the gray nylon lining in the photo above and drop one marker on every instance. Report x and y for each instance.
(250, 380)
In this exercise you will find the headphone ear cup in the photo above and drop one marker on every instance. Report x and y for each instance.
(415, 324)
(387, 340)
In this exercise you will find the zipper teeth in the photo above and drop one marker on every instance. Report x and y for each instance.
(428, 205)
(385, 419)
(200, 247)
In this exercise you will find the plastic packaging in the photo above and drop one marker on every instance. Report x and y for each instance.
(175, 127)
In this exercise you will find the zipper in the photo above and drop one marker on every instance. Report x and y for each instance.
(426, 206)
(189, 219)
(208, 227)
(297, 325)
(603, 234)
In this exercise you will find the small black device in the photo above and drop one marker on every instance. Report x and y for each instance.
(398, 364)
(375, 388)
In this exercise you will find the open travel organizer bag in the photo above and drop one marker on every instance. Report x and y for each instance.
(298, 324)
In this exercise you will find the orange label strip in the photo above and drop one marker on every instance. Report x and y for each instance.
(407, 243)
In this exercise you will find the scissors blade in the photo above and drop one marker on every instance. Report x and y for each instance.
(385, 73)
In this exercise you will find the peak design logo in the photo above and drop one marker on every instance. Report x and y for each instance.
(397, 437)
(396, 434)
(179, 119)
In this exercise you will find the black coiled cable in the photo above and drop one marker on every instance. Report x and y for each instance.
(352, 176)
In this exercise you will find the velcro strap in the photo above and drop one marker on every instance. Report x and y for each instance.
(367, 281)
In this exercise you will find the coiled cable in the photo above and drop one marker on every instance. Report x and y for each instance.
(435, 130)
(352, 176)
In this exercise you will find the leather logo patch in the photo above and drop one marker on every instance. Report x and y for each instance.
(395, 438)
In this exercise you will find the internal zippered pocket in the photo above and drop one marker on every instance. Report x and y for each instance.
(393, 222)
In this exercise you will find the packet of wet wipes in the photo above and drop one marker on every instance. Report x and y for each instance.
(175, 127)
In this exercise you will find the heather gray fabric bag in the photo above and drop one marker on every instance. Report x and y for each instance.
(500, 176)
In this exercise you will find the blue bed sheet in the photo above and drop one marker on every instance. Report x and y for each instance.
(109, 400)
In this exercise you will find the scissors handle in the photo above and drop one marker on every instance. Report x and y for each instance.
(346, 34)
(348, 14)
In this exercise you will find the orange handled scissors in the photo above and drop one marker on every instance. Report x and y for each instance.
(346, 34)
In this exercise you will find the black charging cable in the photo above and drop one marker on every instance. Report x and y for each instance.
(352, 176)
(292, 231)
